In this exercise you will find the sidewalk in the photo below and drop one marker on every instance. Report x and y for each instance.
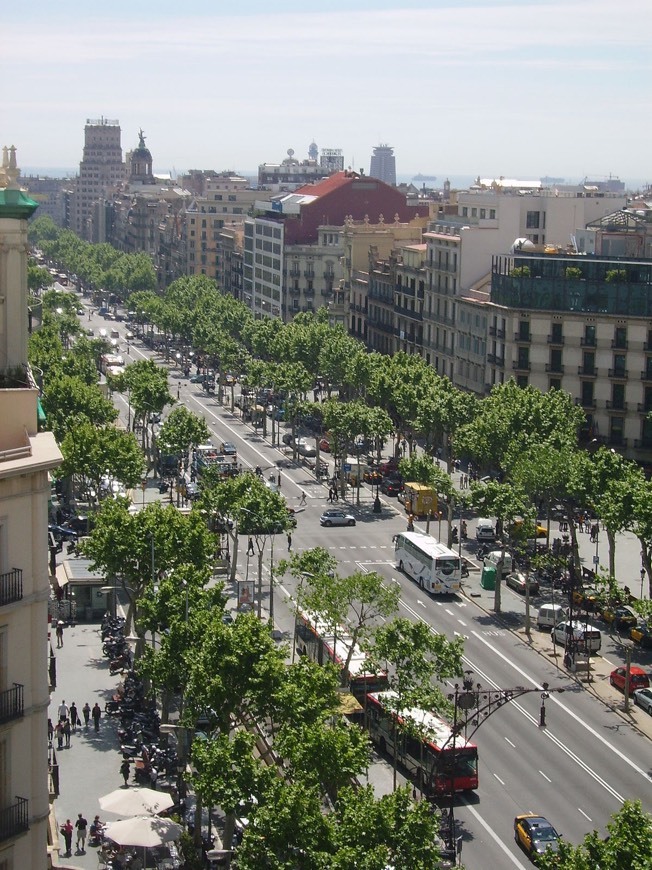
(91, 767)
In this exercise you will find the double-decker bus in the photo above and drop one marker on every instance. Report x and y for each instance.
(433, 566)
(318, 641)
(423, 744)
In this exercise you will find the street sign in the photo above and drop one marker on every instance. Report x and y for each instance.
(347, 466)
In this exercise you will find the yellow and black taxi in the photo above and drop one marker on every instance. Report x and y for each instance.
(535, 834)
(586, 597)
(642, 634)
(620, 615)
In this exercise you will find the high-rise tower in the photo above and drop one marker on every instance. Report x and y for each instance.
(100, 172)
(383, 164)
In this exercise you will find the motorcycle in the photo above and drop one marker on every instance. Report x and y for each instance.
(120, 665)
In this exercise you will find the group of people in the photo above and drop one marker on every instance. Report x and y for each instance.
(69, 721)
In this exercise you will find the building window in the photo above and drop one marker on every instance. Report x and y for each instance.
(647, 400)
(618, 397)
(616, 430)
(554, 384)
(588, 362)
(555, 359)
(524, 330)
(589, 335)
(492, 214)
(587, 394)
(522, 381)
(619, 365)
(523, 358)
(556, 336)
(532, 220)
(620, 337)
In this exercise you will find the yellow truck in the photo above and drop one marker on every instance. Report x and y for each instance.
(419, 499)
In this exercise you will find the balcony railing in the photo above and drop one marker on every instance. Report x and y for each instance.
(329, 275)
(616, 406)
(294, 272)
(587, 371)
(523, 337)
(555, 339)
(555, 368)
(309, 273)
(14, 819)
(496, 333)
(11, 586)
(623, 374)
(11, 703)
(646, 375)
(521, 365)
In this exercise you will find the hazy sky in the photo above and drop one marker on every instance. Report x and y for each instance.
(490, 87)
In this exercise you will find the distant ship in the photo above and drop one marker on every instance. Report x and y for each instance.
(421, 177)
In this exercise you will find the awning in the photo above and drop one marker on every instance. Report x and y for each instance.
(62, 577)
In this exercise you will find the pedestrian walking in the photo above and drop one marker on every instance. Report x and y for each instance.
(96, 713)
(74, 717)
(330, 494)
(86, 712)
(59, 633)
(66, 831)
(50, 731)
(278, 480)
(125, 770)
(303, 498)
(250, 547)
(81, 824)
(594, 533)
(59, 734)
(289, 542)
(64, 710)
(66, 732)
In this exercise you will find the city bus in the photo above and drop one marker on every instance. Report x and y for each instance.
(433, 566)
(317, 641)
(423, 744)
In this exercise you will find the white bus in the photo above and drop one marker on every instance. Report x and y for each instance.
(433, 566)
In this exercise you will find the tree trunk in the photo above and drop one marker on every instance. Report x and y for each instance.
(611, 538)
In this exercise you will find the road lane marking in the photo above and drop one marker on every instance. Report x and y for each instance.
(544, 776)
(421, 604)
(584, 814)
(492, 834)
(461, 622)
(513, 745)
(555, 700)
(449, 612)
(501, 781)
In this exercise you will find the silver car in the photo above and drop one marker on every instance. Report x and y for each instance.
(643, 699)
(335, 517)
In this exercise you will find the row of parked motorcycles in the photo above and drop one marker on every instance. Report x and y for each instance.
(139, 723)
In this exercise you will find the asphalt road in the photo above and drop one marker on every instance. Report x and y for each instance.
(576, 771)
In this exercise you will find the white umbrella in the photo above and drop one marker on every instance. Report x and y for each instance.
(145, 831)
(136, 801)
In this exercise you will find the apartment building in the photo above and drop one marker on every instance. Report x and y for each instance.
(27, 456)
(383, 164)
(293, 248)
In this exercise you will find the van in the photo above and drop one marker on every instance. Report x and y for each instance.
(550, 614)
(419, 499)
(587, 636)
(493, 558)
(485, 530)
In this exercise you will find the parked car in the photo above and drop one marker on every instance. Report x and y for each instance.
(638, 678)
(372, 476)
(586, 597)
(228, 448)
(388, 465)
(325, 445)
(643, 699)
(335, 517)
(518, 582)
(642, 634)
(622, 616)
(587, 637)
(535, 834)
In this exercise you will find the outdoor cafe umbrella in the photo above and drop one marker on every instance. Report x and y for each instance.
(145, 831)
(136, 801)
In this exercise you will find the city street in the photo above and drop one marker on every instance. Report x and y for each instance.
(579, 768)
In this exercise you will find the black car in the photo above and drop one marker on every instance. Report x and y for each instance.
(391, 486)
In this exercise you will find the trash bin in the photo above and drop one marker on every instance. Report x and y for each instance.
(488, 577)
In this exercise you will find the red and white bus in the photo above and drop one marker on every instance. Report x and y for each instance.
(423, 745)
(317, 641)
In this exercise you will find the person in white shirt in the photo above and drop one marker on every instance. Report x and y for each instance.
(63, 711)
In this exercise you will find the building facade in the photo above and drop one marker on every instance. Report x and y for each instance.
(101, 172)
(27, 456)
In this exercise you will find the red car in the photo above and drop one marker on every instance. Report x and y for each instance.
(638, 678)
(388, 465)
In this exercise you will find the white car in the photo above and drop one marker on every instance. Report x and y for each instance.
(643, 699)
(305, 447)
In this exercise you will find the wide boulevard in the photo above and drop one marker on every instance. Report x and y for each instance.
(576, 770)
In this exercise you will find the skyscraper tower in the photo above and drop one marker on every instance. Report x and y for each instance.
(383, 164)
(101, 171)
